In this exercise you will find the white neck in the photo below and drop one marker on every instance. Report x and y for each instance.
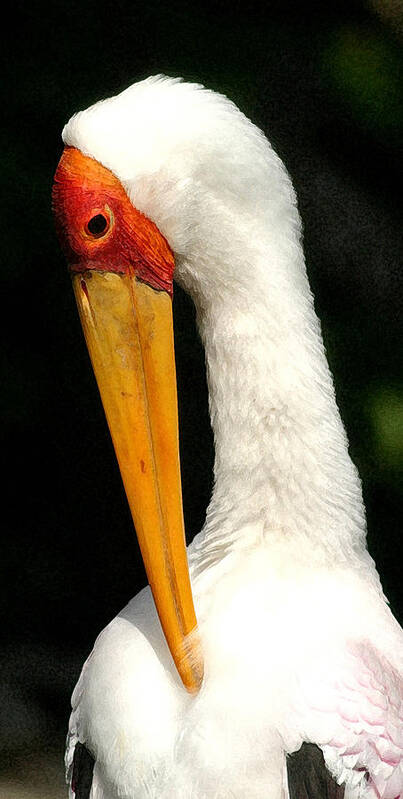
(282, 469)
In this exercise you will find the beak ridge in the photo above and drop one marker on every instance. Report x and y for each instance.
(129, 333)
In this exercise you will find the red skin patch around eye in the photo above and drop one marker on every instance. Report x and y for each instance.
(132, 243)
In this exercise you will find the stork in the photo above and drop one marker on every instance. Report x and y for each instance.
(294, 649)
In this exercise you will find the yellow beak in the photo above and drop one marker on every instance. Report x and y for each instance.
(129, 333)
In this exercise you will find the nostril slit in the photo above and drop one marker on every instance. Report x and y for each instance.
(84, 288)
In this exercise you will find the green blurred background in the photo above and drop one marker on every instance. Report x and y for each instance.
(323, 80)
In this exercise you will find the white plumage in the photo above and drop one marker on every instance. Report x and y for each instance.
(298, 640)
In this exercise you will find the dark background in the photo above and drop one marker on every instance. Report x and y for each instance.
(322, 80)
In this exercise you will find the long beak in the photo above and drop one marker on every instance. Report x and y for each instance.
(129, 334)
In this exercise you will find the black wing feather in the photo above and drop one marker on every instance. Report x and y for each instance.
(308, 777)
(83, 768)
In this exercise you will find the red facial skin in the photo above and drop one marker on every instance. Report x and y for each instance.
(131, 243)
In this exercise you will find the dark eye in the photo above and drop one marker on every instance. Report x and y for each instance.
(97, 225)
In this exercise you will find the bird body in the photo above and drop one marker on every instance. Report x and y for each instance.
(315, 664)
(298, 642)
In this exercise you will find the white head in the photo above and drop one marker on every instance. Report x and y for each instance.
(195, 165)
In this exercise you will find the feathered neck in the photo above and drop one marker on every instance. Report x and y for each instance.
(282, 469)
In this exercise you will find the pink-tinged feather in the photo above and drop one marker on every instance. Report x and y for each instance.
(349, 712)
(395, 733)
(393, 786)
(355, 749)
(363, 678)
(372, 714)
(387, 752)
(365, 746)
